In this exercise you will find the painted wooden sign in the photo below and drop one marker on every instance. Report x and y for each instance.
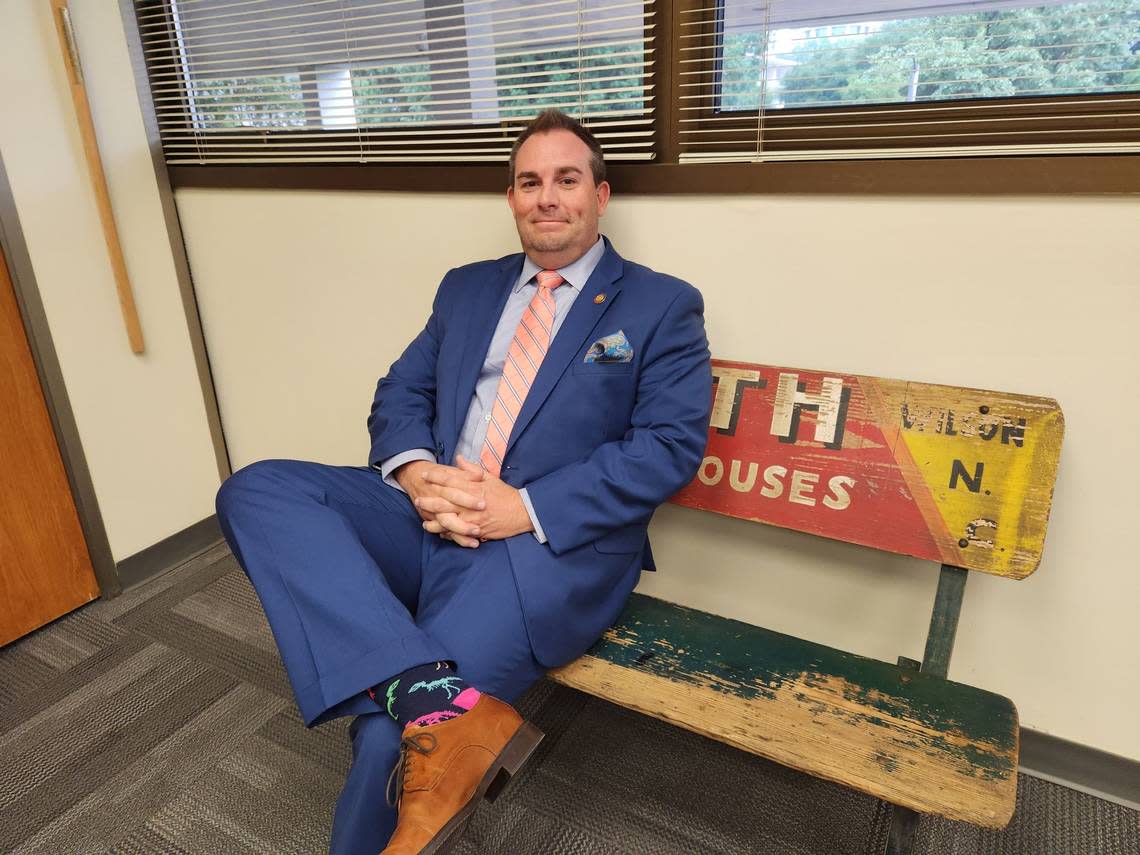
(958, 476)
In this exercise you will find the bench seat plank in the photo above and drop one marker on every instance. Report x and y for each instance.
(919, 741)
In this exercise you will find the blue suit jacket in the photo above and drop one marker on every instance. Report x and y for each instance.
(598, 445)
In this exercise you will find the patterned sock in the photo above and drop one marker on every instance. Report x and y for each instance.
(426, 694)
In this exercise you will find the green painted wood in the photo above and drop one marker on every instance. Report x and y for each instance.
(944, 621)
(724, 655)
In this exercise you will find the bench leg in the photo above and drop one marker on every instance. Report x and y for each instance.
(936, 661)
(902, 823)
(901, 831)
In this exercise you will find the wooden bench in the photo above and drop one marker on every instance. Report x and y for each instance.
(961, 477)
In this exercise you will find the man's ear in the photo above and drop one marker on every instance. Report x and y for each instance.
(603, 191)
(511, 198)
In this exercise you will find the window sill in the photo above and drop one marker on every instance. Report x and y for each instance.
(983, 176)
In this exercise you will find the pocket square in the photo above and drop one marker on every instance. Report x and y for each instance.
(614, 347)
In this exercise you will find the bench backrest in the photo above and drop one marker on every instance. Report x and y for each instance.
(963, 477)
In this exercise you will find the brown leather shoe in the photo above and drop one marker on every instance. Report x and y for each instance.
(445, 768)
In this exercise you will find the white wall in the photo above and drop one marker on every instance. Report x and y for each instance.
(307, 297)
(141, 419)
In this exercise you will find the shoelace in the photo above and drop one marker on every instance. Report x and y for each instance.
(407, 745)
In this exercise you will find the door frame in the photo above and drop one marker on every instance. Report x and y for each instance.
(44, 356)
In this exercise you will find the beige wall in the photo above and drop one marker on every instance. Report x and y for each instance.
(141, 418)
(307, 297)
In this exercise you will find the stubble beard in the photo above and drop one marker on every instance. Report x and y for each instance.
(550, 243)
(540, 242)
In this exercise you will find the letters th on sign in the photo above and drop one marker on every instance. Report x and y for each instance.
(932, 471)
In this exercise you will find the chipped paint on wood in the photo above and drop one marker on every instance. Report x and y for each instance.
(915, 740)
(958, 476)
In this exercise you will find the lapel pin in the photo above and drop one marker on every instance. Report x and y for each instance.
(601, 298)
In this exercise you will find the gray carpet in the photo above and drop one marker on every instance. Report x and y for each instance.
(161, 722)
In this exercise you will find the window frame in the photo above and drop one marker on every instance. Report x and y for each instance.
(975, 114)
(988, 175)
(161, 45)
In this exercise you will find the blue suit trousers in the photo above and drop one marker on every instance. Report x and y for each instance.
(355, 592)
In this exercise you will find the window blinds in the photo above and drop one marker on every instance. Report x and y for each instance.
(351, 81)
(823, 79)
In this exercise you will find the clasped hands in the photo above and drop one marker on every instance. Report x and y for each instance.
(463, 503)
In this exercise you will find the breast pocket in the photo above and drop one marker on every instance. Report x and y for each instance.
(603, 369)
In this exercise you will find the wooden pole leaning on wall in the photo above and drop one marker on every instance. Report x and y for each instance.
(62, 16)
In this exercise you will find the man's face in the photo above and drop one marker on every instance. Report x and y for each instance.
(554, 199)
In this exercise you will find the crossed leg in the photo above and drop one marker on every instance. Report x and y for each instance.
(480, 623)
(356, 592)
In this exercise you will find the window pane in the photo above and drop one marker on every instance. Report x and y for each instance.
(1000, 52)
(602, 79)
(339, 81)
(248, 102)
(274, 63)
(392, 93)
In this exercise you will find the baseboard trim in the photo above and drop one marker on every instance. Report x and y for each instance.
(1088, 770)
(170, 553)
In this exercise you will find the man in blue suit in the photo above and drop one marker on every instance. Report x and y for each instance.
(520, 445)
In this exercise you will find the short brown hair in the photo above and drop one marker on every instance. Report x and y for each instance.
(556, 120)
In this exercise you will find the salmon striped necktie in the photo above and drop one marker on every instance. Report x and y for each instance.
(524, 356)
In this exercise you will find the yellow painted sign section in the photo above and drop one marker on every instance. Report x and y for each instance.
(987, 461)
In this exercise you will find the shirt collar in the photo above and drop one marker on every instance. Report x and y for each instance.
(576, 273)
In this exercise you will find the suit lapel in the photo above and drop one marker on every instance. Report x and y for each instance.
(483, 316)
(583, 316)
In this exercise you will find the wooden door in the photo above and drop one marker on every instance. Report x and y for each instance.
(45, 570)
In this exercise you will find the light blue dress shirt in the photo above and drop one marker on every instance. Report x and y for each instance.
(478, 419)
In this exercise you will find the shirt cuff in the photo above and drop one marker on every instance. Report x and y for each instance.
(387, 467)
(538, 533)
